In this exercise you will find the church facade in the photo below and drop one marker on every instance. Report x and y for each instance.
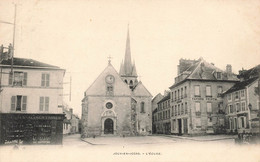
(117, 103)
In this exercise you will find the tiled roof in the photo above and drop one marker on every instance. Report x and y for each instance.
(241, 85)
(167, 97)
(27, 62)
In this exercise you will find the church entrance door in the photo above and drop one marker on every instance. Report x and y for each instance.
(109, 126)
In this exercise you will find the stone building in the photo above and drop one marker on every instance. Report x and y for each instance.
(30, 101)
(242, 103)
(117, 103)
(71, 121)
(196, 102)
(162, 116)
(155, 101)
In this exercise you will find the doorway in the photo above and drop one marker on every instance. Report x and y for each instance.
(185, 126)
(109, 126)
(179, 126)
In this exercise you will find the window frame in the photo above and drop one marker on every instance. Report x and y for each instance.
(197, 91)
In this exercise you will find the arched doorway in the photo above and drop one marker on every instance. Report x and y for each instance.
(109, 126)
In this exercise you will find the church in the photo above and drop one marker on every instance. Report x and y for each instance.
(117, 104)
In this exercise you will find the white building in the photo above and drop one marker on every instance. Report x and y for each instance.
(33, 91)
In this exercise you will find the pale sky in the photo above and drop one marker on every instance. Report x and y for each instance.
(79, 35)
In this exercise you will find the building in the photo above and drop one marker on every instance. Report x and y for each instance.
(162, 115)
(117, 103)
(155, 101)
(196, 102)
(242, 103)
(31, 101)
(71, 122)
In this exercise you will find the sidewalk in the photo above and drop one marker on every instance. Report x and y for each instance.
(202, 138)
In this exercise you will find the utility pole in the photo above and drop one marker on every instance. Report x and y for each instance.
(12, 58)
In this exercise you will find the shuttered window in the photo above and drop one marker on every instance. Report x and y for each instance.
(44, 103)
(24, 105)
(13, 100)
(18, 103)
(25, 78)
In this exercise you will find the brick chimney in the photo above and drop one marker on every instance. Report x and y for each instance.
(229, 68)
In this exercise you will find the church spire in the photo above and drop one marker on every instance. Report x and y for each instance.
(127, 61)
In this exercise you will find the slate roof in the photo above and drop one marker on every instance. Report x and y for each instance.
(241, 85)
(203, 70)
(253, 72)
(27, 62)
(167, 97)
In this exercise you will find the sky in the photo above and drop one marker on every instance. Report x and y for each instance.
(80, 35)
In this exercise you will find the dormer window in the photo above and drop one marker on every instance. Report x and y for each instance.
(219, 75)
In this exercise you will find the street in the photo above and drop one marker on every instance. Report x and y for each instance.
(143, 148)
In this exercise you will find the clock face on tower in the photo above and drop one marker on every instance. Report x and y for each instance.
(110, 79)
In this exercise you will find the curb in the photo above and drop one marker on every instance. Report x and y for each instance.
(199, 139)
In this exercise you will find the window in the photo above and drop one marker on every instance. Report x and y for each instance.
(182, 93)
(142, 107)
(178, 94)
(230, 108)
(186, 108)
(109, 105)
(236, 95)
(172, 111)
(175, 110)
(45, 80)
(243, 106)
(44, 103)
(243, 122)
(229, 97)
(179, 112)
(238, 107)
(242, 93)
(220, 90)
(209, 107)
(197, 90)
(18, 103)
(185, 91)
(19, 79)
(110, 90)
(169, 113)
(197, 106)
(208, 91)
(175, 95)
(182, 110)
(219, 75)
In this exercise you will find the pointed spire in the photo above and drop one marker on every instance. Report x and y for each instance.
(127, 61)
(134, 73)
(122, 69)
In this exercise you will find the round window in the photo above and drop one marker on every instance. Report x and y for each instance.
(109, 105)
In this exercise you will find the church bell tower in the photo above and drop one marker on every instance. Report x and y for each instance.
(128, 70)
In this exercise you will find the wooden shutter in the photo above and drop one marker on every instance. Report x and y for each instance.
(43, 80)
(47, 80)
(25, 78)
(13, 100)
(10, 78)
(24, 105)
(46, 103)
(41, 103)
